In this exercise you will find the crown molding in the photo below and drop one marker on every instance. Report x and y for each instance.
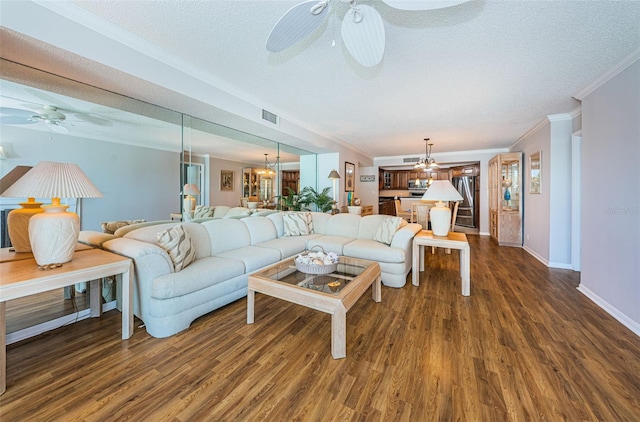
(608, 75)
(559, 117)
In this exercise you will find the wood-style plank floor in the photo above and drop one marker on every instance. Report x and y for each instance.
(525, 346)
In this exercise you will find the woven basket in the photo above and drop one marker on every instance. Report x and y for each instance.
(314, 268)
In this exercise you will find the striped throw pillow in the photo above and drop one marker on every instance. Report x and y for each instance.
(387, 229)
(297, 223)
(177, 242)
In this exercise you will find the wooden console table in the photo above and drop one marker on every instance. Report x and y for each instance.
(21, 277)
(452, 241)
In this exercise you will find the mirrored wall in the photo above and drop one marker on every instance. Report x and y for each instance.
(140, 156)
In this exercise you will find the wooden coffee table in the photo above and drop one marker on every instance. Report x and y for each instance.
(333, 293)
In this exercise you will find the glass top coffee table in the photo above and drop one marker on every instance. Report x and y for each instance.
(334, 293)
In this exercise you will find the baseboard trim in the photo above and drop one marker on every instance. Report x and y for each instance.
(37, 329)
(535, 255)
(611, 310)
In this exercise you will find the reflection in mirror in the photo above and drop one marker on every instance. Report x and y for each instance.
(242, 169)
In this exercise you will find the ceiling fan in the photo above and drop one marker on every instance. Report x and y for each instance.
(362, 27)
(48, 114)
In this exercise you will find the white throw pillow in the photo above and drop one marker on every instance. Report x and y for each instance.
(387, 229)
(203, 211)
(297, 223)
(177, 242)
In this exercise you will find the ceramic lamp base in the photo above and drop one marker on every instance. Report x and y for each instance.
(18, 224)
(54, 235)
(440, 217)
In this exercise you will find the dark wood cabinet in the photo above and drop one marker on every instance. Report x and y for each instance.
(290, 179)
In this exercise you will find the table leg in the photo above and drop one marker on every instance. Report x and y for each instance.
(127, 304)
(3, 348)
(339, 333)
(414, 265)
(376, 290)
(465, 271)
(95, 297)
(251, 300)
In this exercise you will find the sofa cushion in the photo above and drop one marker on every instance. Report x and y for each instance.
(297, 223)
(254, 257)
(288, 246)
(346, 225)
(201, 274)
(177, 242)
(227, 234)
(387, 229)
(374, 251)
(261, 229)
(238, 212)
(220, 211)
(330, 243)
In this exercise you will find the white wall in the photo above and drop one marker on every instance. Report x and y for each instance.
(135, 182)
(610, 248)
(547, 215)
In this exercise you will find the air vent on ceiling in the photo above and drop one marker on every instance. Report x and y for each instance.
(269, 117)
(410, 160)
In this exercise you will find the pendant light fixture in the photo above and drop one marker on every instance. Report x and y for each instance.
(428, 162)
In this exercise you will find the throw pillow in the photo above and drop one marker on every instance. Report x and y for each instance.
(387, 229)
(177, 242)
(110, 227)
(297, 223)
(203, 211)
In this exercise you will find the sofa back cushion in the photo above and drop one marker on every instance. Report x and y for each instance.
(345, 225)
(199, 236)
(320, 220)
(220, 210)
(237, 212)
(261, 229)
(369, 225)
(227, 234)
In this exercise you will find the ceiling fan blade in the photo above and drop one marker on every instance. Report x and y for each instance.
(17, 112)
(16, 120)
(422, 4)
(363, 35)
(297, 23)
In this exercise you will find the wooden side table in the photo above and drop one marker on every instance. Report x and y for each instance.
(21, 277)
(452, 241)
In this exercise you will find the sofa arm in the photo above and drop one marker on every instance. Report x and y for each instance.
(94, 238)
(404, 236)
(150, 261)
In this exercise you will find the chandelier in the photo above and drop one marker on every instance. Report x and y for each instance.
(428, 162)
(266, 172)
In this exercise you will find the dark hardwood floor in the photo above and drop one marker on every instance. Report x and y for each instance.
(525, 346)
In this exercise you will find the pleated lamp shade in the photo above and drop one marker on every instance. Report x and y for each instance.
(54, 233)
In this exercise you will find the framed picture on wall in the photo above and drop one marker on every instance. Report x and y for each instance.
(350, 177)
(535, 172)
(226, 180)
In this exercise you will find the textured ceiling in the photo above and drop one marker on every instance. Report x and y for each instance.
(474, 76)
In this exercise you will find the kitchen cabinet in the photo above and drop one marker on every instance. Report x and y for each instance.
(387, 207)
(505, 199)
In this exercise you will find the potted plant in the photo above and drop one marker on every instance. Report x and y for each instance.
(321, 200)
(289, 202)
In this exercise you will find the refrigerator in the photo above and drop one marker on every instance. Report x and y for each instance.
(467, 210)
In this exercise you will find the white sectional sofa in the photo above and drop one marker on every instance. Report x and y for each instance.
(228, 250)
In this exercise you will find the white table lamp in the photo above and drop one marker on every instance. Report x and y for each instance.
(189, 202)
(443, 192)
(54, 233)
